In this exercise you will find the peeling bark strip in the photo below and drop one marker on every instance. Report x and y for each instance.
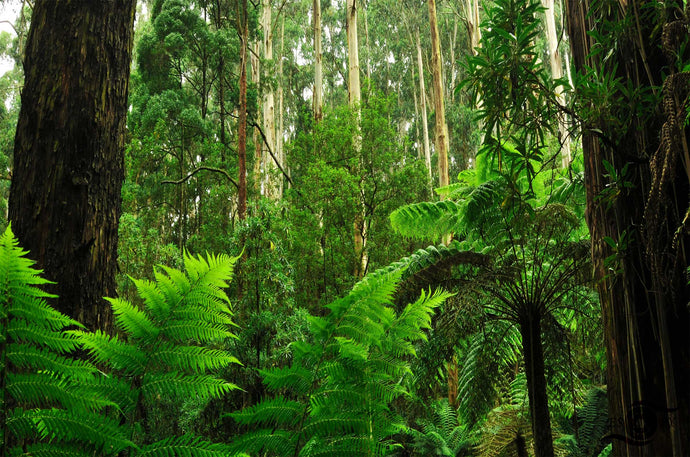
(69, 149)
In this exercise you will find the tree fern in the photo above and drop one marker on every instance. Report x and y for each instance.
(334, 399)
(51, 403)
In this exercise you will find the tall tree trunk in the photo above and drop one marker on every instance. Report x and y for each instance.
(269, 126)
(355, 98)
(318, 63)
(442, 144)
(644, 291)
(533, 353)
(557, 73)
(65, 200)
(422, 90)
(242, 118)
(280, 151)
(255, 64)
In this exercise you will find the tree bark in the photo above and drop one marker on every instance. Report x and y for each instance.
(318, 63)
(533, 353)
(642, 287)
(242, 118)
(65, 200)
(442, 144)
(422, 91)
(271, 188)
(355, 99)
(557, 73)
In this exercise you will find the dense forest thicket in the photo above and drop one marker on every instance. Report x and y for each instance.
(344, 228)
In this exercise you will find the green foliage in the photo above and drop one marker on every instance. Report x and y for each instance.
(51, 402)
(517, 93)
(172, 340)
(442, 435)
(335, 397)
(58, 405)
(585, 430)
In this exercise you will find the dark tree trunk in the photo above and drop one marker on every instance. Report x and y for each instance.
(533, 353)
(642, 286)
(69, 149)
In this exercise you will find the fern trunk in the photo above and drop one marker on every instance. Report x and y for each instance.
(69, 149)
(533, 353)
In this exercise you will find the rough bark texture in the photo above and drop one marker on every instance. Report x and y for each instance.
(533, 353)
(65, 198)
(442, 143)
(643, 289)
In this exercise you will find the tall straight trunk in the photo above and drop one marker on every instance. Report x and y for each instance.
(355, 99)
(442, 144)
(644, 300)
(242, 117)
(472, 22)
(255, 64)
(271, 187)
(318, 63)
(422, 91)
(65, 199)
(557, 73)
(533, 353)
(280, 152)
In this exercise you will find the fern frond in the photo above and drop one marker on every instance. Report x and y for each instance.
(427, 220)
(42, 388)
(272, 442)
(29, 357)
(105, 349)
(277, 412)
(417, 316)
(104, 433)
(295, 377)
(25, 332)
(132, 320)
(215, 270)
(179, 386)
(190, 359)
(183, 330)
(52, 450)
(183, 446)
(342, 424)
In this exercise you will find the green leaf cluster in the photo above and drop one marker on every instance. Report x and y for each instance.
(335, 398)
(168, 348)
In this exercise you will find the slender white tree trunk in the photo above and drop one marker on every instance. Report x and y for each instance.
(422, 91)
(442, 144)
(557, 73)
(318, 63)
(271, 188)
(355, 98)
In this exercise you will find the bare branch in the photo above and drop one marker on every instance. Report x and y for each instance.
(215, 170)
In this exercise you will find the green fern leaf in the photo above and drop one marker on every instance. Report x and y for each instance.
(184, 446)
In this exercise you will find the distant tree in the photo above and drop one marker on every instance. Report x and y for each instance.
(68, 153)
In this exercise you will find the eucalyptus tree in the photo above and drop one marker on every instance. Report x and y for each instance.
(442, 142)
(632, 90)
(69, 149)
